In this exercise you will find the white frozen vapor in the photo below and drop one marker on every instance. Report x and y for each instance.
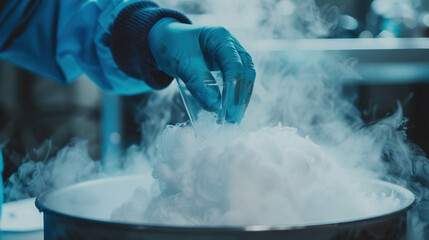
(72, 164)
(222, 175)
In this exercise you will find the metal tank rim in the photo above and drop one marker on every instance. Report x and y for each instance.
(409, 203)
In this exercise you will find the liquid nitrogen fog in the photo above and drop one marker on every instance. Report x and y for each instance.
(223, 175)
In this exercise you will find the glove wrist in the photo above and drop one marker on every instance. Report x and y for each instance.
(130, 44)
(158, 39)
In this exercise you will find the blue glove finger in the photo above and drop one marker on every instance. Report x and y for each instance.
(243, 89)
(219, 50)
(249, 75)
(232, 70)
(200, 83)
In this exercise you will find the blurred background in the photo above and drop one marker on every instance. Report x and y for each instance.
(387, 37)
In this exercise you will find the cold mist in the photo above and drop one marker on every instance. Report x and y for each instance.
(223, 175)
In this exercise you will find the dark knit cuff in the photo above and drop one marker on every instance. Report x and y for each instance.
(130, 44)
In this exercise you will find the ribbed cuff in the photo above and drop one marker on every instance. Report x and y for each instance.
(130, 44)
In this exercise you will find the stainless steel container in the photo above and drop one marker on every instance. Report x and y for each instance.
(83, 212)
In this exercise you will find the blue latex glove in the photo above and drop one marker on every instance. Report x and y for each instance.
(190, 52)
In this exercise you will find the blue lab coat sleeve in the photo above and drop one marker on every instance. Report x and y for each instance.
(105, 39)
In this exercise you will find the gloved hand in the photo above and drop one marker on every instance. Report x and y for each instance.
(189, 52)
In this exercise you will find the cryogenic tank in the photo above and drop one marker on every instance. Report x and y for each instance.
(83, 211)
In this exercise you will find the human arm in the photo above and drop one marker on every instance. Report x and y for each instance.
(119, 46)
(62, 39)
